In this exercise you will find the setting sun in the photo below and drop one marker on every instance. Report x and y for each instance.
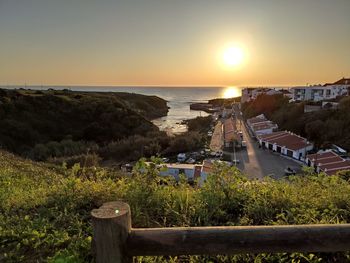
(233, 56)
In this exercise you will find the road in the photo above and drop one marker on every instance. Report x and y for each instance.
(256, 162)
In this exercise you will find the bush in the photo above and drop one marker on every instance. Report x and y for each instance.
(200, 124)
(84, 160)
(64, 148)
(45, 212)
(29, 118)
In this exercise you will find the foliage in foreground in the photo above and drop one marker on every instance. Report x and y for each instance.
(45, 211)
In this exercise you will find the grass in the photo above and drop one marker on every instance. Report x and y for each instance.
(45, 210)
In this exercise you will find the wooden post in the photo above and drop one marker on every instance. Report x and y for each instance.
(111, 227)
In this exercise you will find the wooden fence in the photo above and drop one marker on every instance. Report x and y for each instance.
(114, 240)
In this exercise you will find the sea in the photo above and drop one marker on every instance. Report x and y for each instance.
(178, 100)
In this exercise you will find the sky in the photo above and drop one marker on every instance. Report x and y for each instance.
(173, 42)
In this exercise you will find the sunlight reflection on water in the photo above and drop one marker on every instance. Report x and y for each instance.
(231, 92)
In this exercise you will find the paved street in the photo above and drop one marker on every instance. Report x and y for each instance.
(256, 162)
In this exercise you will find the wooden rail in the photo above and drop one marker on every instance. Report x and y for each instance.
(114, 240)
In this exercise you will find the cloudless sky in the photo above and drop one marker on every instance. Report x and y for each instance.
(173, 42)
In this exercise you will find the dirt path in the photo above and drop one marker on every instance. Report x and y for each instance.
(216, 139)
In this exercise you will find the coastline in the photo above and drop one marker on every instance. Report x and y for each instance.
(178, 101)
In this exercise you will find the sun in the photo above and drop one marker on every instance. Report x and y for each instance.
(233, 56)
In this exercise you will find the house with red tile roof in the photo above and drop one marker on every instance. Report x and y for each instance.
(260, 125)
(328, 162)
(264, 128)
(333, 168)
(256, 120)
(286, 143)
(230, 133)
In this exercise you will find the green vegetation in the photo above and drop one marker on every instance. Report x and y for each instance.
(224, 102)
(69, 127)
(323, 127)
(49, 124)
(153, 143)
(200, 124)
(45, 210)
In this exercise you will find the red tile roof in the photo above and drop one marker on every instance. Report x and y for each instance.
(288, 140)
(334, 171)
(263, 126)
(330, 162)
(229, 125)
(324, 157)
(229, 130)
(342, 165)
(256, 120)
(272, 135)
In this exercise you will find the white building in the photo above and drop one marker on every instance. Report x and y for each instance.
(264, 128)
(321, 92)
(191, 171)
(260, 125)
(249, 94)
(256, 120)
(286, 143)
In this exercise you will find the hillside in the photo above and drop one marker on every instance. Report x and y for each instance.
(29, 118)
(323, 127)
(45, 210)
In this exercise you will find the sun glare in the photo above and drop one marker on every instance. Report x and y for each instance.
(233, 56)
(231, 92)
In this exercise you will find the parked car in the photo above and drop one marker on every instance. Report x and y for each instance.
(190, 160)
(244, 144)
(195, 155)
(181, 157)
(218, 154)
(127, 167)
(289, 171)
(235, 161)
(207, 151)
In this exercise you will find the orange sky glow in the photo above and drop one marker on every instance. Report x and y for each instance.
(175, 43)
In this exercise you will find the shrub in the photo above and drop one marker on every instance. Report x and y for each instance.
(45, 211)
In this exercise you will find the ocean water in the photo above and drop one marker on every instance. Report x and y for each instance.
(178, 99)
